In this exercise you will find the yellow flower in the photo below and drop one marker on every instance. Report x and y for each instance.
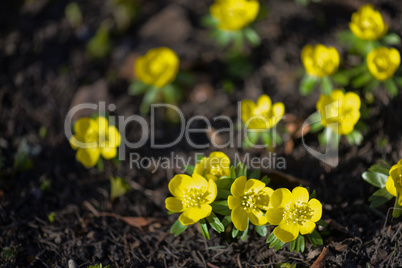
(158, 67)
(293, 212)
(339, 111)
(192, 196)
(367, 23)
(382, 62)
(213, 167)
(247, 199)
(394, 181)
(320, 60)
(261, 115)
(234, 15)
(93, 138)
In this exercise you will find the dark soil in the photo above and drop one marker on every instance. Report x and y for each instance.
(43, 64)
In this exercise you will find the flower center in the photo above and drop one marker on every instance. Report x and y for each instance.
(297, 213)
(398, 181)
(367, 23)
(216, 170)
(249, 200)
(193, 197)
(381, 63)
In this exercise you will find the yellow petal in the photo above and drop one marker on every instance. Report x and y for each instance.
(74, 142)
(233, 202)
(395, 57)
(84, 125)
(237, 188)
(113, 136)
(200, 168)
(264, 104)
(390, 185)
(247, 110)
(194, 214)
(109, 152)
(316, 207)
(257, 217)
(287, 232)
(280, 198)
(174, 204)
(212, 191)
(264, 198)
(178, 185)
(300, 194)
(278, 110)
(254, 185)
(239, 218)
(352, 100)
(307, 227)
(88, 156)
(274, 215)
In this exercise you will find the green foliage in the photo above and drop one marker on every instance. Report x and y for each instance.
(261, 230)
(380, 197)
(375, 178)
(73, 14)
(98, 266)
(177, 228)
(118, 187)
(204, 228)
(215, 223)
(391, 39)
(8, 253)
(315, 238)
(99, 45)
(274, 242)
(326, 85)
(51, 217)
(355, 137)
(308, 84)
(391, 87)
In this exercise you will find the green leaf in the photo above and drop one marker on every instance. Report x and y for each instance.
(255, 174)
(279, 245)
(355, 137)
(361, 80)
(189, 169)
(307, 84)
(224, 182)
(215, 223)
(266, 180)
(391, 39)
(322, 223)
(171, 94)
(223, 193)
(271, 238)
(371, 85)
(292, 245)
(148, 99)
(209, 21)
(233, 172)
(380, 197)
(251, 138)
(346, 37)
(313, 194)
(315, 238)
(51, 216)
(118, 187)
(341, 78)
(315, 127)
(277, 140)
(137, 88)
(99, 46)
(375, 178)
(326, 85)
(252, 36)
(397, 212)
(300, 244)
(267, 138)
(390, 86)
(226, 220)
(204, 229)
(381, 168)
(234, 232)
(398, 80)
(177, 228)
(73, 14)
(261, 230)
(244, 233)
(221, 207)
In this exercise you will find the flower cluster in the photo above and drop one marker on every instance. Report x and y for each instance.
(241, 198)
(94, 138)
(368, 24)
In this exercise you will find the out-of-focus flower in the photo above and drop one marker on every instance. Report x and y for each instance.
(394, 181)
(368, 24)
(234, 15)
(93, 138)
(261, 115)
(158, 67)
(382, 62)
(192, 196)
(339, 111)
(213, 167)
(320, 60)
(248, 198)
(293, 212)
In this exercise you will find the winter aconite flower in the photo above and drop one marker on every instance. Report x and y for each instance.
(234, 15)
(339, 111)
(192, 196)
(394, 181)
(93, 138)
(213, 167)
(368, 24)
(248, 198)
(261, 115)
(158, 67)
(319, 60)
(293, 212)
(382, 62)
